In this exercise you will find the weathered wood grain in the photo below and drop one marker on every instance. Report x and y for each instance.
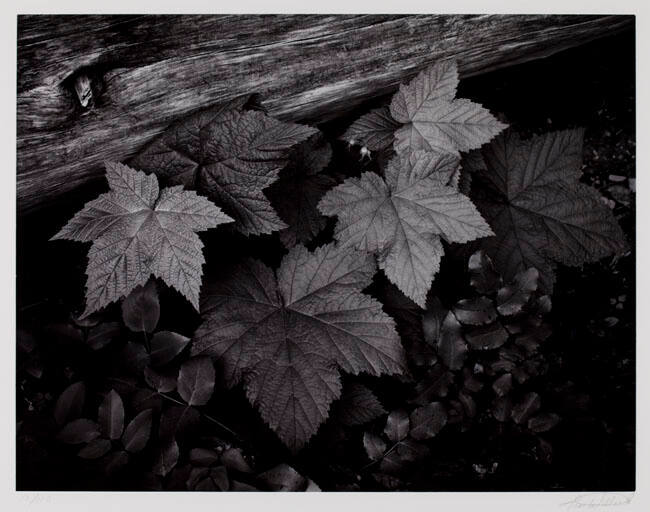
(147, 71)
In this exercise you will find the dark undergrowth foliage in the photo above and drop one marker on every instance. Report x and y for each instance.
(431, 293)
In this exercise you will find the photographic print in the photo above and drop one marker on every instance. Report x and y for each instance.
(373, 252)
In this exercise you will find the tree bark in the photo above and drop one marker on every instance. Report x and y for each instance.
(97, 88)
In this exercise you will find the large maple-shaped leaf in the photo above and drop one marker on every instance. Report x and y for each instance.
(287, 336)
(230, 155)
(434, 120)
(540, 212)
(403, 218)
(137, 231)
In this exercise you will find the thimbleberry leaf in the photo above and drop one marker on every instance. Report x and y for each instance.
(137, 230)
(404, 217)
(539, 210)
(229, 155)
(434, 120)
(287, 334)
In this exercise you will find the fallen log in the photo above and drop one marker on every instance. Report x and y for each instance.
(97, 88)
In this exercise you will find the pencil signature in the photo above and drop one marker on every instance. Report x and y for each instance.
(599, 499)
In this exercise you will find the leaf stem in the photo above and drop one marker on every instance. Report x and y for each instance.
(147, 345)
(206, 416)
(382, 457)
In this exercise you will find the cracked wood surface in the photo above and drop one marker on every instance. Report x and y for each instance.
(147, 71)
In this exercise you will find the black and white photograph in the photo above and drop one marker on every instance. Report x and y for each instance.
(340, 253)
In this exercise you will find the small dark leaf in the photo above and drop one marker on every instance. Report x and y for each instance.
(526, 408)
(451, 345)
(163, 382)
(410, 451)
(111, 415)
(177, 478)
(165, 346)
(502, 385)
(512, 353)
(141, 308)
(469, 406)
(520, 375)
(137, 432)
(134, 358)
(219, 476)
(538, 309)
(483, 277)
(196, 380)
(427, 421)
(115, 462)
(203, 457)
(197, 475)
(487, 337)
(397, 425)
(95, 449)
(282, 478)
(470, 382)
(455, 412)
(406, 452)
(70, 403)
(146, 399)
(434, 385)
(103, 334)
(432, 320)
(358, 405)
(392, 463)
(477, 311)
(78, 431)
(166, 458)
(502, 409)
(543, 422)
(374, 445)
(421, 354)
(35, 367)
(501, 365)
(531, 339)
(514, 296)
(515, 327)
(233, 459)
